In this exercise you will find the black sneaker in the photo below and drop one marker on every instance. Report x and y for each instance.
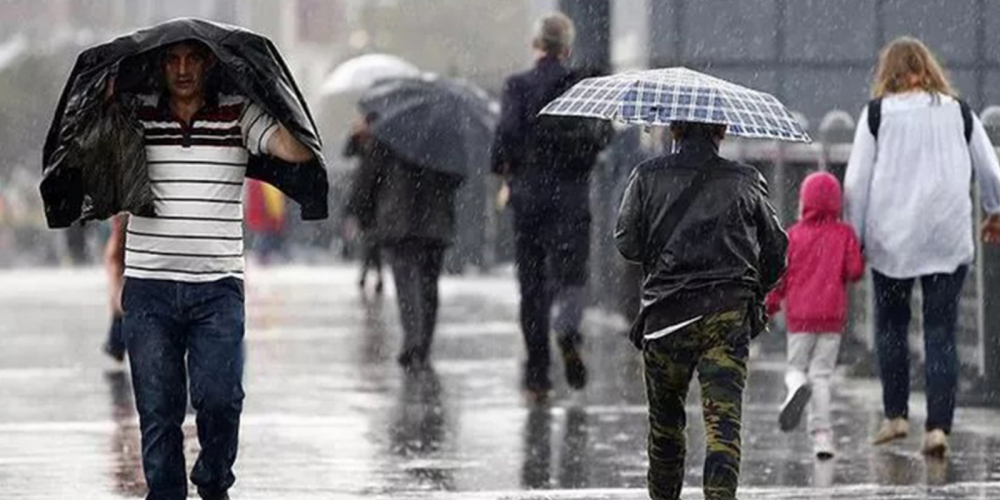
(536, 385)
(212, 495)
(576, 371)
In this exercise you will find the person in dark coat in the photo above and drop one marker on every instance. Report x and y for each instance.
(711, 247)
(360, 144)
(413, 213)
(547, 162)
(114, 265)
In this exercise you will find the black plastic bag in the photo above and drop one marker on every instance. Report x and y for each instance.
(111, 158)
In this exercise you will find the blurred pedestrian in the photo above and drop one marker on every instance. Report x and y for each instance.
(547, 161)
(265, 220)
(76, 244)
(114, 266)
(711, 245)
(361, 207)
(823, 256)
(412, 211)
(916, 149)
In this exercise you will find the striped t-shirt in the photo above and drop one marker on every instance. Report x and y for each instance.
(196, 172)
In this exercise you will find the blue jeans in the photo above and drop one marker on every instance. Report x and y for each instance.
(892, 318)
(163, 322)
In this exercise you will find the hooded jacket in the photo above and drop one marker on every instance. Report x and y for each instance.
(93, 161)
(726, 251)
(823, 256)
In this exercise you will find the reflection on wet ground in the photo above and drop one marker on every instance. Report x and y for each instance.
(329, 414)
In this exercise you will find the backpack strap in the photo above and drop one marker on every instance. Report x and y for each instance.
(874, 116)
(966, 119)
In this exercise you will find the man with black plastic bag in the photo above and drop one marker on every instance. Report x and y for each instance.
(203, 123)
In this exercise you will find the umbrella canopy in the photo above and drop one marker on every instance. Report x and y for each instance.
(661, 96)
(442, 124)
(360, 73)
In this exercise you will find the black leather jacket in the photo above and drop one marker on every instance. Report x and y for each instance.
(727, 250)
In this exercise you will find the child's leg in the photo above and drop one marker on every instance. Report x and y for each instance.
(821, 366)
(800, 349)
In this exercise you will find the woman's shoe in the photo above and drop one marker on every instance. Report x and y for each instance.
(892, 429)
(935, 443)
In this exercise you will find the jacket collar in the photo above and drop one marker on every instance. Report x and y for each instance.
(548, 61)
(696, 150)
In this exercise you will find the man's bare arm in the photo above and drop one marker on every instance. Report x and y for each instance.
(283, 145)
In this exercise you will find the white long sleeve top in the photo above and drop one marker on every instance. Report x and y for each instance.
(907, 194)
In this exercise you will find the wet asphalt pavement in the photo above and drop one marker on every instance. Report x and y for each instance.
(328, 413)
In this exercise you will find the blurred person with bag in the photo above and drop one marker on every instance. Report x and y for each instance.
(360, 207)
(114, 266)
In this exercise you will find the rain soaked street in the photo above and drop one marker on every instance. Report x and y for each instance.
(328, 413)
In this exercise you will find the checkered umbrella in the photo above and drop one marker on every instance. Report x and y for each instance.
(661, 96)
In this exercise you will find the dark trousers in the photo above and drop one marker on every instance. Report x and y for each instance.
(551, 246)
(371, 259)
(416, 267)
(717, 347)
(892, 315)
(163, 322)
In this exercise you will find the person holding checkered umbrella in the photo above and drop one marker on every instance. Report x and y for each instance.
(710, 245)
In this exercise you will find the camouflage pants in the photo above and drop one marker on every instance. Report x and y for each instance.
(717, 347)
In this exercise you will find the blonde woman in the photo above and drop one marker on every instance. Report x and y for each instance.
(907, 192)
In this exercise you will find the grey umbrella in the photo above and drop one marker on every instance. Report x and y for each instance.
(438, 123)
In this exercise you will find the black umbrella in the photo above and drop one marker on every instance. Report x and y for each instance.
(441, 124)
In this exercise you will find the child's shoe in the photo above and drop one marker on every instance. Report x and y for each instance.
(799, 393)
(823, 444)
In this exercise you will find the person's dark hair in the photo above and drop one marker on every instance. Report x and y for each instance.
(198, 45)
(693, 130)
